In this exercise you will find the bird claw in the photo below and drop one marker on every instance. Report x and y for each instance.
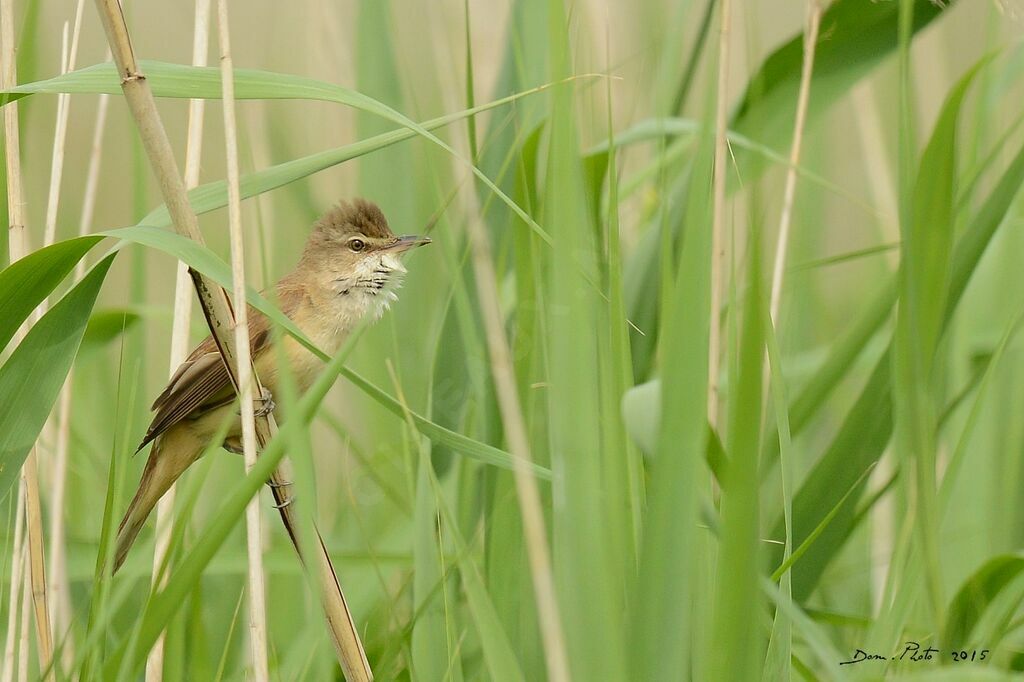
(285, 503)
(266, 403)
(277, 485)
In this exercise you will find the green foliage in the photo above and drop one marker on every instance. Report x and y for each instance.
(980, 591)
(31, 377)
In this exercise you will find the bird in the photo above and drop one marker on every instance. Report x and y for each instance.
(349, 272)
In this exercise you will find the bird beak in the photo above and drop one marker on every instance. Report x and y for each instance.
(406, 242)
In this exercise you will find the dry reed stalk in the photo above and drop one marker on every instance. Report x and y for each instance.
(60, 603)
(18, 246)
(57, 597)
(17, 242)
(182, 319)
(17, 562)
(789, 193)
(68, 59)
(785, 220)
(36, 563)
(534, 526)
(58, 561)
(246, 380)
(23, 630)
(217, 310)
(718, 220)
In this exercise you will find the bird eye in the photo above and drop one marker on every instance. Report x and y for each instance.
(356, 245)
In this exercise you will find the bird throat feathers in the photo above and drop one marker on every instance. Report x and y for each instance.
(367, 291)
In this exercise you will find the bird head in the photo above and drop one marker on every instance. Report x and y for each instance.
(353, 248)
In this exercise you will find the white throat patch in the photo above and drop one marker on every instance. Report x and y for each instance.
(370, 289)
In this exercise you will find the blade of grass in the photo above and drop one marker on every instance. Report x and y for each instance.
(926, 250)
(32, 377)
(738, 646)
(213, 195)
(182, 314)
(585, 564)
(176, 80)
(28, 281)
(661, 620)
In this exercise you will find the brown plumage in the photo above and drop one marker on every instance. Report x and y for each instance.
(348, 271)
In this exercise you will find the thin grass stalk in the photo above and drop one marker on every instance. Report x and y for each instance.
(772, 382)
(23, 630)
(60, 601)
(18, 247)
(68, 59)
(789, 193)
(17, 241)
(58, 598)
(217, 311)
(254, 540)
(36, 562)
(17, 562)
(60, 606)
(180, 327)
(534, 525)
(718, 219)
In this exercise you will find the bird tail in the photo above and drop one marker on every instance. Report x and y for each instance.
(171, 454)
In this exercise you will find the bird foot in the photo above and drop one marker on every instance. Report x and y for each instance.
(285, 503)
(277, 485)
(265, 404)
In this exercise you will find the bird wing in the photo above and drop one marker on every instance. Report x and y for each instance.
(202, 382)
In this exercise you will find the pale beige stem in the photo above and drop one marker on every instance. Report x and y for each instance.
(530, 507)
(58, 586)
(23, 630)
(254, 536)
(18, 246)
(718, 220)
(218, 314)
(60, 600)
(17, 562)
(789, 193)
(36, 564)
(60, 134)
(181, 325)
(17, 241)
(59, 581)
(92, 176)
